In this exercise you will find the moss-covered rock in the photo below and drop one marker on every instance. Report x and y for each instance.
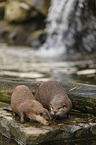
(83, 96)
(19, 34)
(41, 6)
(79, 127)
(14, 12)
(22, 10)
(36, 38)
(20, 18)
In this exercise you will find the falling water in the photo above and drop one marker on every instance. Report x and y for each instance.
(66, 26)
(60, 36)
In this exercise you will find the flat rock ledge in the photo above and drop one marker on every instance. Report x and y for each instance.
(80, 126)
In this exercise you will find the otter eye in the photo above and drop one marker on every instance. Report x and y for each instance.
(59, 108)
(52, 108)
(64, 105)
(41, 114)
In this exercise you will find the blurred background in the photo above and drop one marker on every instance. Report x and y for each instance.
(48, 40)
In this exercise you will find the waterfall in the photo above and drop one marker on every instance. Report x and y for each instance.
(66, 26)
(58, 24)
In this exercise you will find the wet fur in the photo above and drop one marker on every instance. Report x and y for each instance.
(24, 104)
(53, 96)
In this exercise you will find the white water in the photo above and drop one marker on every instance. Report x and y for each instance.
(60, 35)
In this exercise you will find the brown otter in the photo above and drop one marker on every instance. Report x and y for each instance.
(53, 97)
(24, 104)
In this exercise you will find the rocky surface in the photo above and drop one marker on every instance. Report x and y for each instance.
(41, 6)
(19, 10)
(79, 126)
(14, 12)
(22, 34)
(2, 9)
(37, 38)
(83, 96)
(20, 18)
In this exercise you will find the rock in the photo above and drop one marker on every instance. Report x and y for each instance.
(33, 133)
(19, 10)
(37, 38)
(42, 5)
(3, 1)
(83, 96)
(14, 12)
(18, 34)
(2, 9)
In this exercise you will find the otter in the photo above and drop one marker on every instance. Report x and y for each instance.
(53, 96)
(24, 104)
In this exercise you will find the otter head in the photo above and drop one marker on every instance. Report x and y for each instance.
(40, 114)
(58, 108)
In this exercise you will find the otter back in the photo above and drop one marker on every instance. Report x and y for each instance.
(48, 90)
(21, 94)
(53, 96)
(24, 104)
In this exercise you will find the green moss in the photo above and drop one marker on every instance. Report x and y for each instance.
(4, 97)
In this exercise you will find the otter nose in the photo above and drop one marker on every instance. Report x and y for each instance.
(54, 112)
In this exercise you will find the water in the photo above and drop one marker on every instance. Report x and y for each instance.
(23, 62)
(70, 27)
(60, 34)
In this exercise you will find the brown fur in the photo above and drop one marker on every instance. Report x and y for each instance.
(23, 103)
(53, 96)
